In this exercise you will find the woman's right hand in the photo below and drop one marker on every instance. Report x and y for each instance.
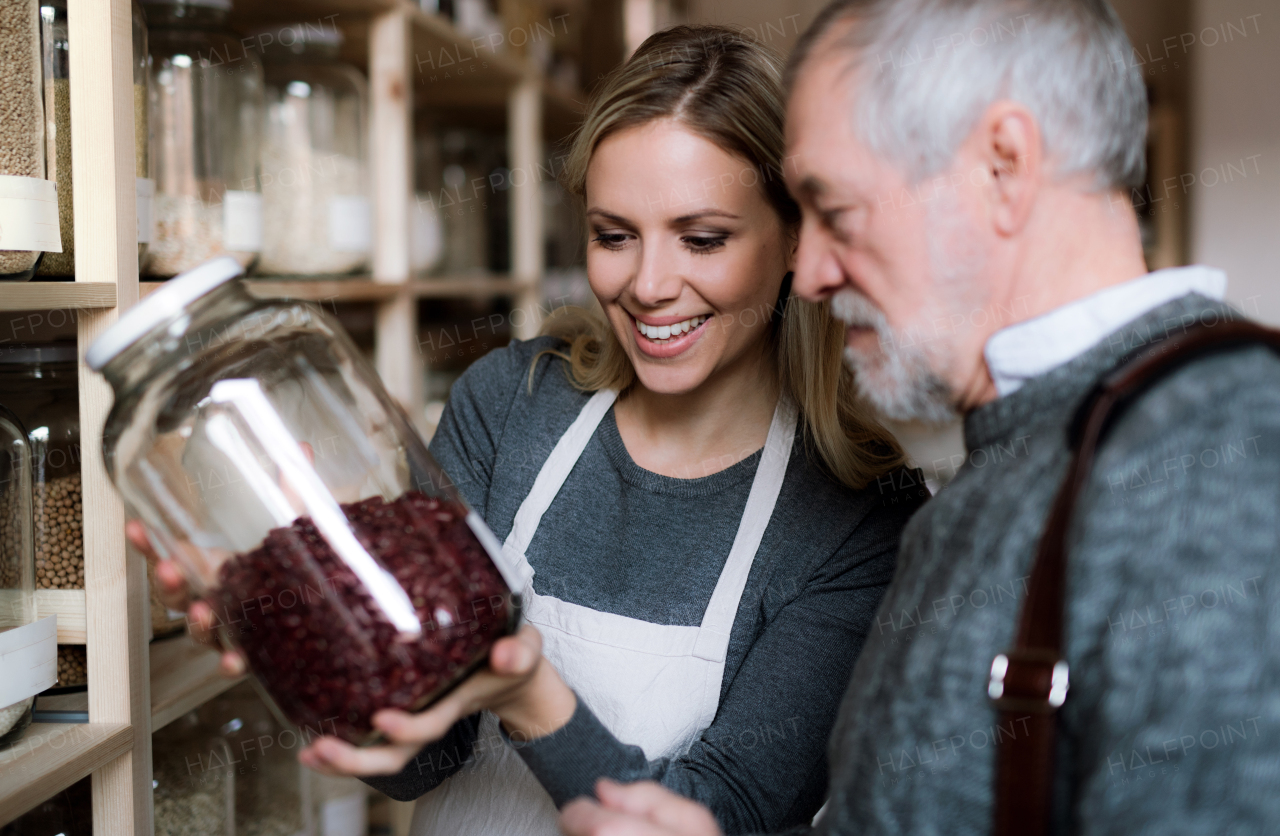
(176, 595)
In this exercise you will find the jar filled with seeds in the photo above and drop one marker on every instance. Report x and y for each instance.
(28, 201)
(315, 169)
(28, 657)
(57, 111)
(193, 774)
(73, 666)
(39, 384)
(264, 456)
(205, 113)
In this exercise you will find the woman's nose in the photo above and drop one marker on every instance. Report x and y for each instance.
(657, 278)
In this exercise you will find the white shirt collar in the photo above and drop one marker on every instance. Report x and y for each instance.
(1029, 349)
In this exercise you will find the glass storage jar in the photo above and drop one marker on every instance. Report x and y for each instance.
(28, 201)
(315, 169)
(269, 780)
(193, 780)
(205, 113)
(264, 456)
(57, 114)
(17, 581)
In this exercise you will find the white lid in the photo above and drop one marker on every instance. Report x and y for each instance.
(155, 308)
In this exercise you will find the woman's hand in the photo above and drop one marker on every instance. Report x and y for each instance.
(519, 685)
(175, 595)
(640, 809)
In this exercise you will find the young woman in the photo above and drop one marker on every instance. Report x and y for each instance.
(689, 490)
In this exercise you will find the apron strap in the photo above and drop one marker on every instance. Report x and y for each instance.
(556, 469)
(717, 622)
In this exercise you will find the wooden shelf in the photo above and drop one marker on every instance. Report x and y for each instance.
(51, 757)
(184, 676)
(41, 296)
(367, 290)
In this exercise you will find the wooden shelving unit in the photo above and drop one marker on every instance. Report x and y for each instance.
(136, 688)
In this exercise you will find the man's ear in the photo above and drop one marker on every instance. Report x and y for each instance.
(1007, 142)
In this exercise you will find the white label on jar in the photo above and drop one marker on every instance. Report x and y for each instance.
(29, 659)
(242, 221)
(343, 816)
(350, 225)
(146, 192)
(29, 214)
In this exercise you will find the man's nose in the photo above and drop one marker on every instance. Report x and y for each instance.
(818, 272)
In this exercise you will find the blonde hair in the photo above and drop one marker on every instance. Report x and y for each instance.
(728, 89)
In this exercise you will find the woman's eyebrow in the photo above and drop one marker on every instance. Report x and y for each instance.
(609, 216)
(705, 213)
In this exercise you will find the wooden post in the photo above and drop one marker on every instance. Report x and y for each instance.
(524, 147)
(398, 358)
(106, 236)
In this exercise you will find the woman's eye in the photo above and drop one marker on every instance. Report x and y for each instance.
(610, 240)
(703, 243)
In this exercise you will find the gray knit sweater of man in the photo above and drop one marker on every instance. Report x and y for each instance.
(1172, 723)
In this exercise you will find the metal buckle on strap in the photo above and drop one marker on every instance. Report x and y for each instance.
(1034, 681)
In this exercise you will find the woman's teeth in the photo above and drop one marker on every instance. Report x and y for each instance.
(666, 332)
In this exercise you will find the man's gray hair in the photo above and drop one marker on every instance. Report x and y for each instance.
(926, 70)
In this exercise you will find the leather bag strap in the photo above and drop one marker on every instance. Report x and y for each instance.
(1029, 682)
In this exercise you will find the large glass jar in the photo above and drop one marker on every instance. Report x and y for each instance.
(18, 687)
(206, 119)
(315, 172)
(28, 202)
(264, 456)
(57, 114)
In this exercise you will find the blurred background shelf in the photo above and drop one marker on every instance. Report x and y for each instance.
(38, 296)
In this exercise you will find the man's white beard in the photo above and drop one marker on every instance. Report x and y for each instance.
(899, 379)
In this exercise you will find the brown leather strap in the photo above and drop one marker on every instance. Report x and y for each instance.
(1029, 682)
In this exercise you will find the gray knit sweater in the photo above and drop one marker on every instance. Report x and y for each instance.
(624, 540)
(1172, 724)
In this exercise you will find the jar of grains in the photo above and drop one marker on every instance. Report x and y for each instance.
(40, 385)
(28, 201)
(193, 779)
(265, 457)
(205, 113)
(27, 645)
(57, 113)
(315, 170)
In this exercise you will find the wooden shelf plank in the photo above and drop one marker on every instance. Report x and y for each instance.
(40, 296)
(184, 676)
(51, 757)
(69, 606)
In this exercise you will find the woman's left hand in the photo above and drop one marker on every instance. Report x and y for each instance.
(519, 685)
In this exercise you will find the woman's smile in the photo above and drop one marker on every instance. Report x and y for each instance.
(661, 337)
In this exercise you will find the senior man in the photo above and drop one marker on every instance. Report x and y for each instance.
(964, 167)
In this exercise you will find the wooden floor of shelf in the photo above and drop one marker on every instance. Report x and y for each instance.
(43, 296)
(50, 757)
(360, 289)
(184, 676)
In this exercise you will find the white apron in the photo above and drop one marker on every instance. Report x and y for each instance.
(656, 686)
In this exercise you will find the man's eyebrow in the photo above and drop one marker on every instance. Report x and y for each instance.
(811, 187)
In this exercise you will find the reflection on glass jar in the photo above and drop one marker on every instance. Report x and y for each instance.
(314, 162)
(263, 454)
(206, 119)
(19, 685)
